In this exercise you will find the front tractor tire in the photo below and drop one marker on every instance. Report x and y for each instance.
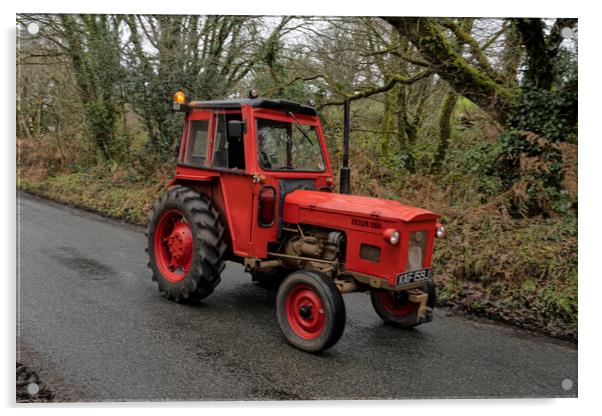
(310, 311)
(185, 245)
(397, 310)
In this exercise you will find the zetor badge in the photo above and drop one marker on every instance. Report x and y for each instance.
(254, 185)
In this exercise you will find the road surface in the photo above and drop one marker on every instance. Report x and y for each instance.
(90, 320)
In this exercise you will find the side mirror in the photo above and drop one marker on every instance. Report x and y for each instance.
(236, 128)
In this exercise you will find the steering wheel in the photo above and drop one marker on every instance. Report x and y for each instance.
(264, 160)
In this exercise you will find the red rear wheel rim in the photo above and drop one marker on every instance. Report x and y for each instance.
(173, 245)
(305, 312)
(396, 305)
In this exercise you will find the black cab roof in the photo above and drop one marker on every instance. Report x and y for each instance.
(272, 104)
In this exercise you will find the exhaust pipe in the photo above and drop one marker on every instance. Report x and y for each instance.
(345, 187)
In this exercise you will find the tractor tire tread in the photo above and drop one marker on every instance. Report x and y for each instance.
(208, 233)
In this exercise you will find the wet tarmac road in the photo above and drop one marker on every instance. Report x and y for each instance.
(92, 323)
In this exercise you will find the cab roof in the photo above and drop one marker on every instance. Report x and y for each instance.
(272, 104)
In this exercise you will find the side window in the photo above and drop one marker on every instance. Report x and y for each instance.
(228, 152)
(196, 149)
(220, 145)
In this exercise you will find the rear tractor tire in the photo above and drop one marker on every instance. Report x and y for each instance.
(185, 245)
(310, 311)
(397, 310)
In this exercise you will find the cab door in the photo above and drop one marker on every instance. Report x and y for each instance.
(235, 182)
(266, 201)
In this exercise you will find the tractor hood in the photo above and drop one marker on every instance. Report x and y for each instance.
(351, 205)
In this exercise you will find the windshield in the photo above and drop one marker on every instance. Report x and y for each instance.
(288, 146)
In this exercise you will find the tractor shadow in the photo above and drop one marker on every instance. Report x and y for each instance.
(249, 308)
(248, 297)
(245, 303)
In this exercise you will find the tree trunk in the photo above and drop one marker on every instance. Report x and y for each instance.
(405, 141)
(37, 119)
(447, 109)
(541, 49)
(388, 114)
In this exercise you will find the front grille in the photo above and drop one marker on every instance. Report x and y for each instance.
(370, 252)
(416, 251)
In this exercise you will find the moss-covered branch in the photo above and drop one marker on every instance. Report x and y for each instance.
(394, 80)
(464, 37)
(468, 80)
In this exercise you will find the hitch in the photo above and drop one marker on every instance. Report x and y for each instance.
(418, 296)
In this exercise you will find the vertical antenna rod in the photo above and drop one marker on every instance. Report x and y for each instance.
(345, 173)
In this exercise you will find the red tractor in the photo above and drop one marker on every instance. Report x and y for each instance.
(254, 185)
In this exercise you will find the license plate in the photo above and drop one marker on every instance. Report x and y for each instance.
(414, 277)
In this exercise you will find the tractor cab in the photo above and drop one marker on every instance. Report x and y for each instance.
(255, 151)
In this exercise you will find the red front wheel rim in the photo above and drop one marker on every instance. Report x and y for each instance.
(305, 312)
(173, 245)
(396, 305)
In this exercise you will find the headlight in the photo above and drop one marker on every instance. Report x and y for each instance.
(440, 231)
(391, 236)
